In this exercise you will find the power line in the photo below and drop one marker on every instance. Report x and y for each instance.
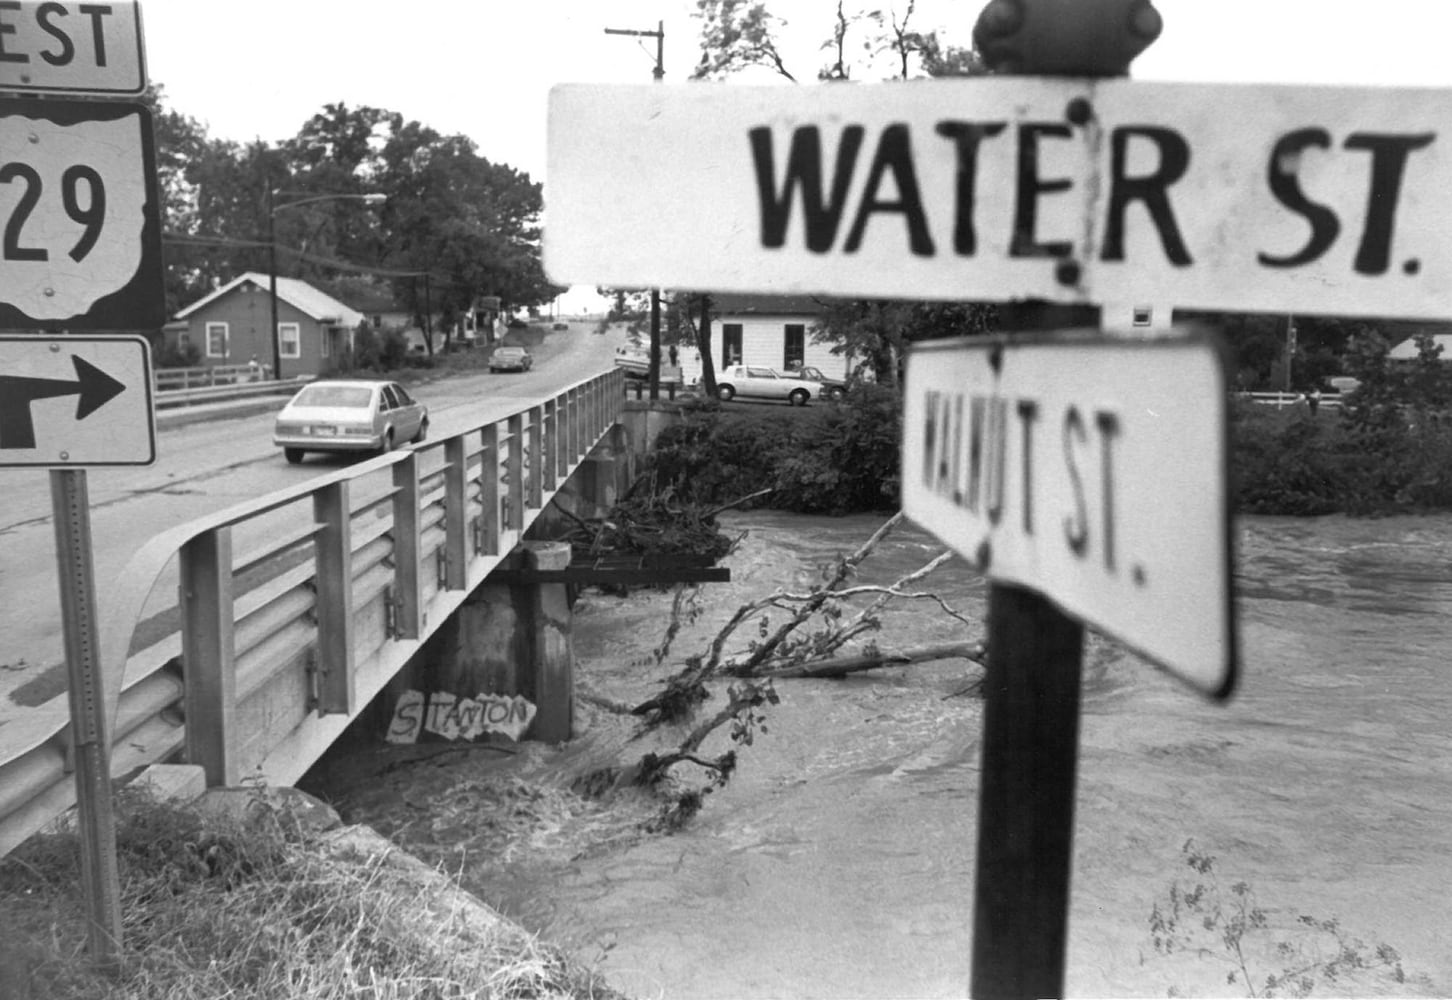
(187, 239)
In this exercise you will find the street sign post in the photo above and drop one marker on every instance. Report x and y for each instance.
(80, 248)
(77, 401)
(67, 403)
(88, 49)
(1253, 198)
(1060, 482)
(80, 216)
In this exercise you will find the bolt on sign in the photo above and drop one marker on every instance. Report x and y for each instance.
(80, 231)
(90, 49)
(1256, 198)
(1092, 471)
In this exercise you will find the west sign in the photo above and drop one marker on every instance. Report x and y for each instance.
(80, 49)
(1285, 199)
(1091, 471)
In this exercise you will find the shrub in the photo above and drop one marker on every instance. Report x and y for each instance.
(1264, 953)
(830, 459)
(179, 355)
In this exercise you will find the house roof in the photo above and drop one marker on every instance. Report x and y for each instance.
(727, 304)
(295, 292)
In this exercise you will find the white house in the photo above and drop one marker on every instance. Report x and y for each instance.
(766, 330)
(1407, 350)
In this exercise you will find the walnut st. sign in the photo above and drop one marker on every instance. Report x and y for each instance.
(1292, 199)
(1092, 471)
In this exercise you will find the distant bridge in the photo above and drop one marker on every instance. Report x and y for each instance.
(296, 608)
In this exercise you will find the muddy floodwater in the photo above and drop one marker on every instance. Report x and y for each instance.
(839, 860)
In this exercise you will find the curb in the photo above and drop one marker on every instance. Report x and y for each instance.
(184, 415)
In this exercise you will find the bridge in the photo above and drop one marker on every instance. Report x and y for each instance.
(295, 609)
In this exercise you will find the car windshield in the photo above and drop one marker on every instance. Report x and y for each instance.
(335, 395)
(511, 352)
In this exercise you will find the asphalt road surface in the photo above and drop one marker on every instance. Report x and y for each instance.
(202, 468)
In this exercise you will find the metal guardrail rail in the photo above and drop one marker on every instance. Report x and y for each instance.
(294, 609)
(167, 379)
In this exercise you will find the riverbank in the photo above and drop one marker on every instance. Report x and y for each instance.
(838, 861)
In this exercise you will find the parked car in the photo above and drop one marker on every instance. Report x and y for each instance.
(357, 415)
(751, 382)
(510, 359)
(561, 326)
(832, 388)
(635, 361)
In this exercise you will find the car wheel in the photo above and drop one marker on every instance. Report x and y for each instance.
(835, 393)
(799, 397)
(725, 392)
(293, 455)
(387, 442)
(423, 430)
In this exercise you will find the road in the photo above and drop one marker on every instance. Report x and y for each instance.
(202, 468)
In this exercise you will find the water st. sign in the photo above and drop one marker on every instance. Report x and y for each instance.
(1264, 198)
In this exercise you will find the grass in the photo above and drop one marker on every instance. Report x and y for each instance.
(265, 909)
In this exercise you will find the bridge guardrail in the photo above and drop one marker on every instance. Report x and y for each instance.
(294, 609)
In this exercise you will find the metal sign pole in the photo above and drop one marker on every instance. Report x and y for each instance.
(90, 729)
(1036, 651)
(1026, 796)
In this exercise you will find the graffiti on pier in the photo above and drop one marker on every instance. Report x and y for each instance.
(444, 714)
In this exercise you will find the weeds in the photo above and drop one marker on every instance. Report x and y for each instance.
(258, 909)
(1200, 916)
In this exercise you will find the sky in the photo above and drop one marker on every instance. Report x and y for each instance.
(484, 68)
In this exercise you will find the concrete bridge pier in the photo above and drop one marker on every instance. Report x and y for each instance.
(506, 642)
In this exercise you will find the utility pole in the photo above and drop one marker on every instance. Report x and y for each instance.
(659, 74)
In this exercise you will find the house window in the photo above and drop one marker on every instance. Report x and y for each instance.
(217, 340)
(794, 354)
(730, 344)
(377, 321)
(290, 337)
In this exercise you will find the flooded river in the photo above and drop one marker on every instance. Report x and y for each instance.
(838, 862)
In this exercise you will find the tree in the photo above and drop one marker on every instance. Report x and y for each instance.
(737, 35)
(877, 331)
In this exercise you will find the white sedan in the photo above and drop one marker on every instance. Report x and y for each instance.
(751, 382)
(354, 415)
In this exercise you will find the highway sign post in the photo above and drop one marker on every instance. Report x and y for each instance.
(67, 403)
(80, 248)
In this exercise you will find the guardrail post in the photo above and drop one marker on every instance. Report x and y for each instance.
(489, 490)
(539, 464)
(550, 450)
(209, 671)
(516, 473)
(334, 565)
(581, 401)
(456, 514)
(407, 596)
(562, 436)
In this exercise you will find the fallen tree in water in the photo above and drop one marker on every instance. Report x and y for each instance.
(808, 639)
